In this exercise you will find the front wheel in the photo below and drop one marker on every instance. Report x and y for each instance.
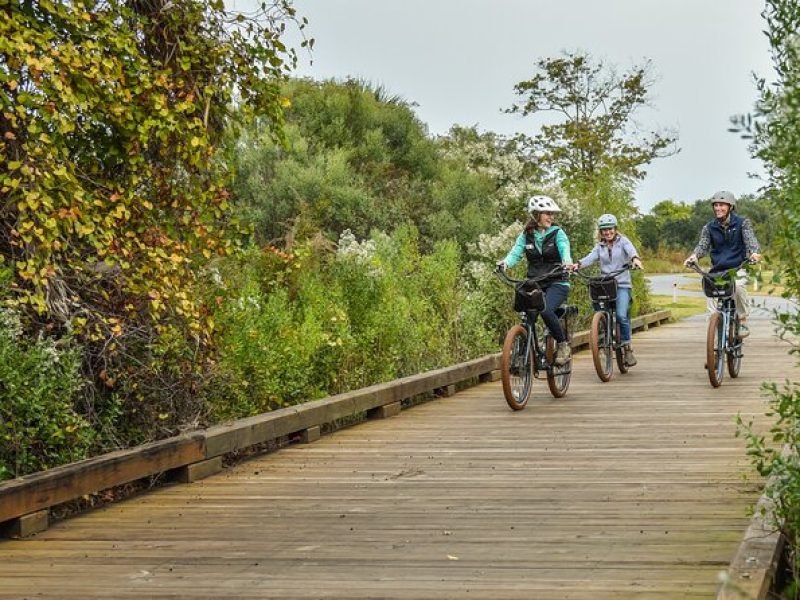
(601, 346)
(715, 350)
(516, 367)
(734, 352)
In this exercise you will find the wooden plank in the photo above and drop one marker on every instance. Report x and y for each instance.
(385, 411)
(312, 434)
(42, 490)
(26, 525)
(752, 570)
(198, 470)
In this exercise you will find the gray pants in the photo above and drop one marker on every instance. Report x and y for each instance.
(740, 298)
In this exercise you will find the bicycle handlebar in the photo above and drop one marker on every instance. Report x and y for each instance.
(501, 273)
(696, 268)
(625, 267)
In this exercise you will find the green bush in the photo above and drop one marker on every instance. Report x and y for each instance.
(39, 381)
(323, 321)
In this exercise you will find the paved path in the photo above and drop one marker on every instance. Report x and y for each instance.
(764, 307)
(632, 489)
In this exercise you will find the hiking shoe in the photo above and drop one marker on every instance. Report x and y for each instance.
(743, 331)
(563, 354)
(629, 359)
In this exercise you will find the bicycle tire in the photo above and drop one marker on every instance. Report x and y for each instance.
(734, 355)
(715, 359)
(558, 378)
(601, 347)
(516, 372)
(620, 354)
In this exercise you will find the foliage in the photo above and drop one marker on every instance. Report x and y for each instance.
(322, 319)
(775, 137)
(358, 160)
(39, 426)
(112, 192)
(596, 130)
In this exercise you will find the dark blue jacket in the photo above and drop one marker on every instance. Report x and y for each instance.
(728, 249)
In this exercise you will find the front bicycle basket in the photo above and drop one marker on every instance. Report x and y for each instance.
(603, 289)
(718, 286)
(528, 296)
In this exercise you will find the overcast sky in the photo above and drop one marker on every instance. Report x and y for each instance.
(459, 60)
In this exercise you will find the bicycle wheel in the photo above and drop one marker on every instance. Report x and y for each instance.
(623, 368)
(516, 368)
(734, 350)
(558, 378)
(601, 346)
(715, 350)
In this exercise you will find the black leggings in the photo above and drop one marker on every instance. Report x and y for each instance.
(555, 294)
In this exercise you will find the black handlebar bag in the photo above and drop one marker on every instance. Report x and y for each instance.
(603, 289)
(719, 285)
(528, 296)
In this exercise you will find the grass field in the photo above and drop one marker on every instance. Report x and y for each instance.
(764, 288)
(684, 307)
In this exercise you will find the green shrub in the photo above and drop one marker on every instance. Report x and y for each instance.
(39, 381)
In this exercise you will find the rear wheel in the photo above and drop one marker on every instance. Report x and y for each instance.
(620, 353)
(558, 377)
(516, 367)
(735, 354)
(715, 350)
(601, 346)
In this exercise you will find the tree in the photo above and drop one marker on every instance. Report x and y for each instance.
(596, 131)
(111, 196)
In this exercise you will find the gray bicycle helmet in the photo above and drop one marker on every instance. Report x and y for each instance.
(725, 197)
(607, 221)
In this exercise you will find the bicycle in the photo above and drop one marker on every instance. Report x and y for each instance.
(528, 349)
(723, 344)
(605, 336)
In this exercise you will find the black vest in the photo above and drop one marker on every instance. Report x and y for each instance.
(728, 249)
(542, 262)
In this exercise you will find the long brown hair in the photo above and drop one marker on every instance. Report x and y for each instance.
(533, 222)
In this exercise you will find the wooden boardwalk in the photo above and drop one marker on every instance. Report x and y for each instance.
(630, 489)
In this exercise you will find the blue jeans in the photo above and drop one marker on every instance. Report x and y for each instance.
(623, 308)
(555, 295)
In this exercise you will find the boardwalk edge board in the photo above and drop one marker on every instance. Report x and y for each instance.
(752, 571)
(40, 491)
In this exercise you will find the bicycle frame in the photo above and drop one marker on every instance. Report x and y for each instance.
(529, 350)
(605, 338)
(528, 320)
(610, 310)
(723, 343)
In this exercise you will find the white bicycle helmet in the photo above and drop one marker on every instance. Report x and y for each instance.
(725, 197)
(537, 204)
(607, 221)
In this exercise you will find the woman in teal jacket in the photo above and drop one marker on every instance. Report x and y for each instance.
(545, 246)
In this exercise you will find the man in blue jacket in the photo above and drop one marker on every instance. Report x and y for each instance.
(730, 240)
